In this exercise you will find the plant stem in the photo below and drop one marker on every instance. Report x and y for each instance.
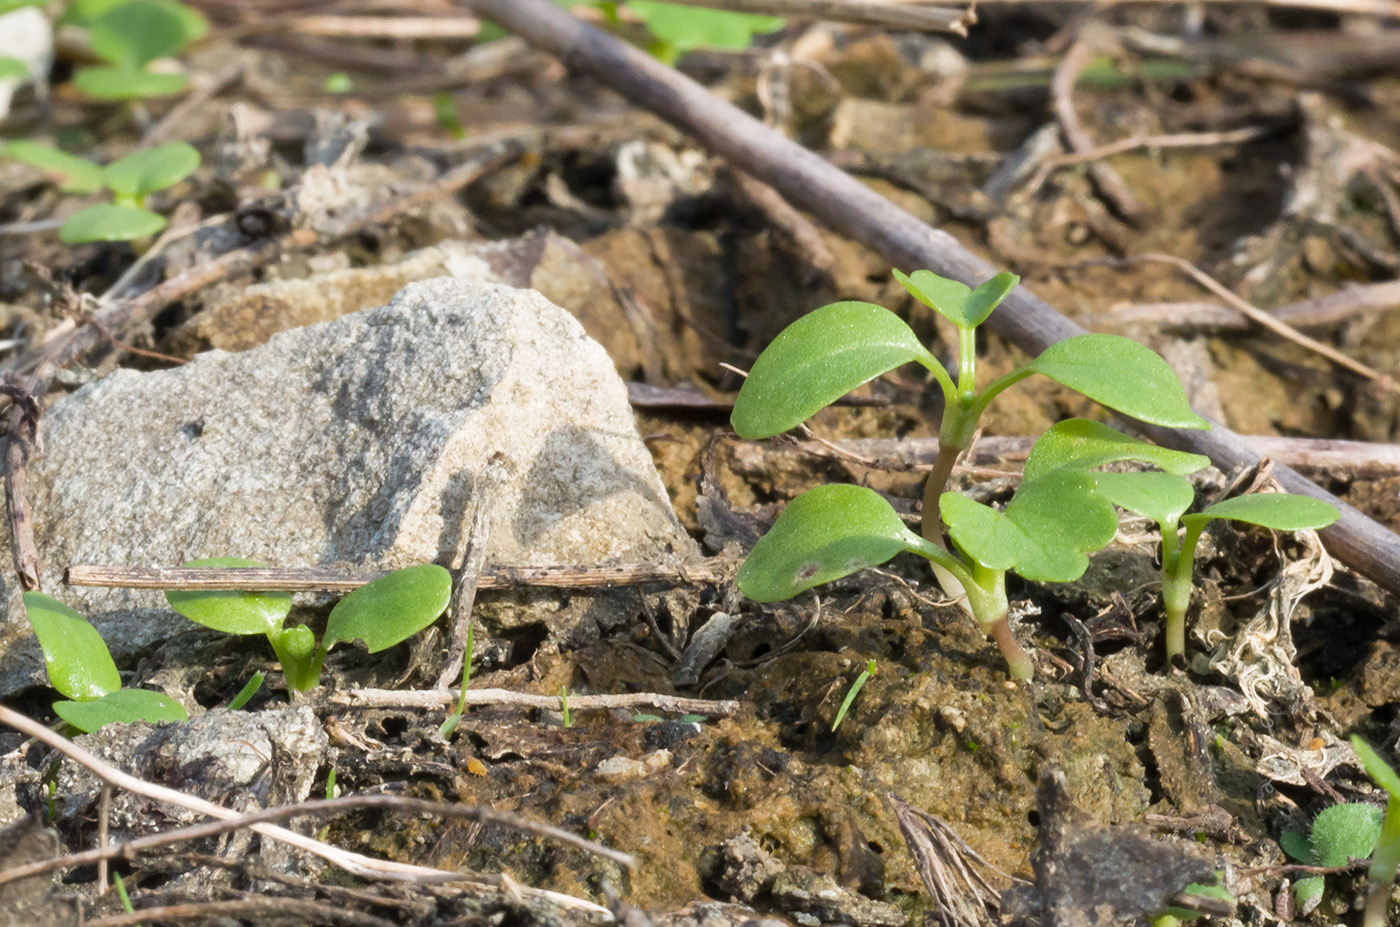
(1178, 562)
(1383, 862)
(1018, 662)
(932, 525)
(987, 597)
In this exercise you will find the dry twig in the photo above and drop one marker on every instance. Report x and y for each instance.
(863, 12)
(1105, 178)
(438, 698)
(477, 529)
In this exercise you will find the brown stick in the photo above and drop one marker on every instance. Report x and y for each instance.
(22, 445)
(861, 12)
(478, 529)
(1345, 304)
(331, 579)
(436, 698)
(853, 209)
(1105, 178)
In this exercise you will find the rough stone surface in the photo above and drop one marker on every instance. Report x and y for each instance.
(354, 441)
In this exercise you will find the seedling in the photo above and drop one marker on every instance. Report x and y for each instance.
(381, 613)
(1048, 526)
(1164, 498)
(852, 693)
(131, 179)
(129, 35)
(1339, 835)
(1211, 896)
(80, 666)
(1387, 853)
(677, 28)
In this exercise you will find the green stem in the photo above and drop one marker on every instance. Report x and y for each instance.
(1178, 565)
(986, 594)
(1383, 863)
(932, 526)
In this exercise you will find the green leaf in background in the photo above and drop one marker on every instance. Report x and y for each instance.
(687, 27)
(1162, 497)
(1121, 374)
(73, 174)
(1377, 768)
(956, 302)
(75, 656)
(133, 34)
(229, 611)
(144, 172)
(109, 222)
(1276, 510)
(1080, 444)
(12, 68)
(1217, 892)
(817, 360)
(1045, 531)
(390, 609)
(102, 83)
(121, 707)
(824, 534)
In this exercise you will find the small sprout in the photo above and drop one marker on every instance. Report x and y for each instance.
(679, 29)
(130, 36)
(109, 222)
(852, 693)
(1340, 834)
(566, 717)
(148, 170)
(250, 689)
(80, 666)
(1212, 898)
(339, 82)
(72, 173)
(1386, 857)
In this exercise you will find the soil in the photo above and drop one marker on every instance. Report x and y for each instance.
(770, 812)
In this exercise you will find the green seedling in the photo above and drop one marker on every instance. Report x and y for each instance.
(380, 614)
(1339, 835)
(1174, 916)
(131, 179)
(1164, 498)
(129, 36)
(852, 693)
(566, 717)
(250, 689)
(1386, 857)
(676, 28)
(80, 666)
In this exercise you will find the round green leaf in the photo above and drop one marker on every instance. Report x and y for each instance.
(687, 27)
(230, 611)
(1345, 832)
(1296, 844)
(73, 174)
(109, 222)
(103, 83)
(1045, 531)
(1083, 445)
(1162, 497)
(144, 172)
(1378, 769)
(135, 33)
(121, 707)
(817, 360)
(75, 656)
(390, 609)
(1276, 510)
(944, 296)
(1307, 891)
(824, 534)
(1121, 374)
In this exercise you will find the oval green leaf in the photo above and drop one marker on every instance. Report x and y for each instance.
(123, 84)
(72, 173)
(687, 27)
(109, 222)
(1296, 844)
(1345, 832)
(1080, 444)
(1378, 769)
(824, 534)
(75, 656)
(1045, 532)
(231, 612)
(135, 33)
(946, 297)
(390, 609)
(1121, 374)
(144, 172)
(988, 296)
(1276, 510)
(121, 707)
(1162, 497)
(817, 360)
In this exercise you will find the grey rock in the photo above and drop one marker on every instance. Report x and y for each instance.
(802, 890)
(355, 441)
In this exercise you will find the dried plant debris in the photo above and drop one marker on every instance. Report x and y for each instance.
(1089, 875)
(30, 902)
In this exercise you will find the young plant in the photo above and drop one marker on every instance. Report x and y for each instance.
(1387, 853)
(131, 179)
(851, 694)
(1164, 498)
(382, 613)
(80, 666)
(678, 28)
(130, 35)
(1339, 835)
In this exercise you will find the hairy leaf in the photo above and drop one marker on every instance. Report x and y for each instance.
(1121, 374)
(1162, 497)
(390, 609)
(1045, 531)
(817, 360)
(1276, 510)
(824, 534)
(151, 169)
(73, 174)
(230, 611)
(109, 222)
(75, 656)
(1345, 832)
(1083, 445)
(121, 707)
